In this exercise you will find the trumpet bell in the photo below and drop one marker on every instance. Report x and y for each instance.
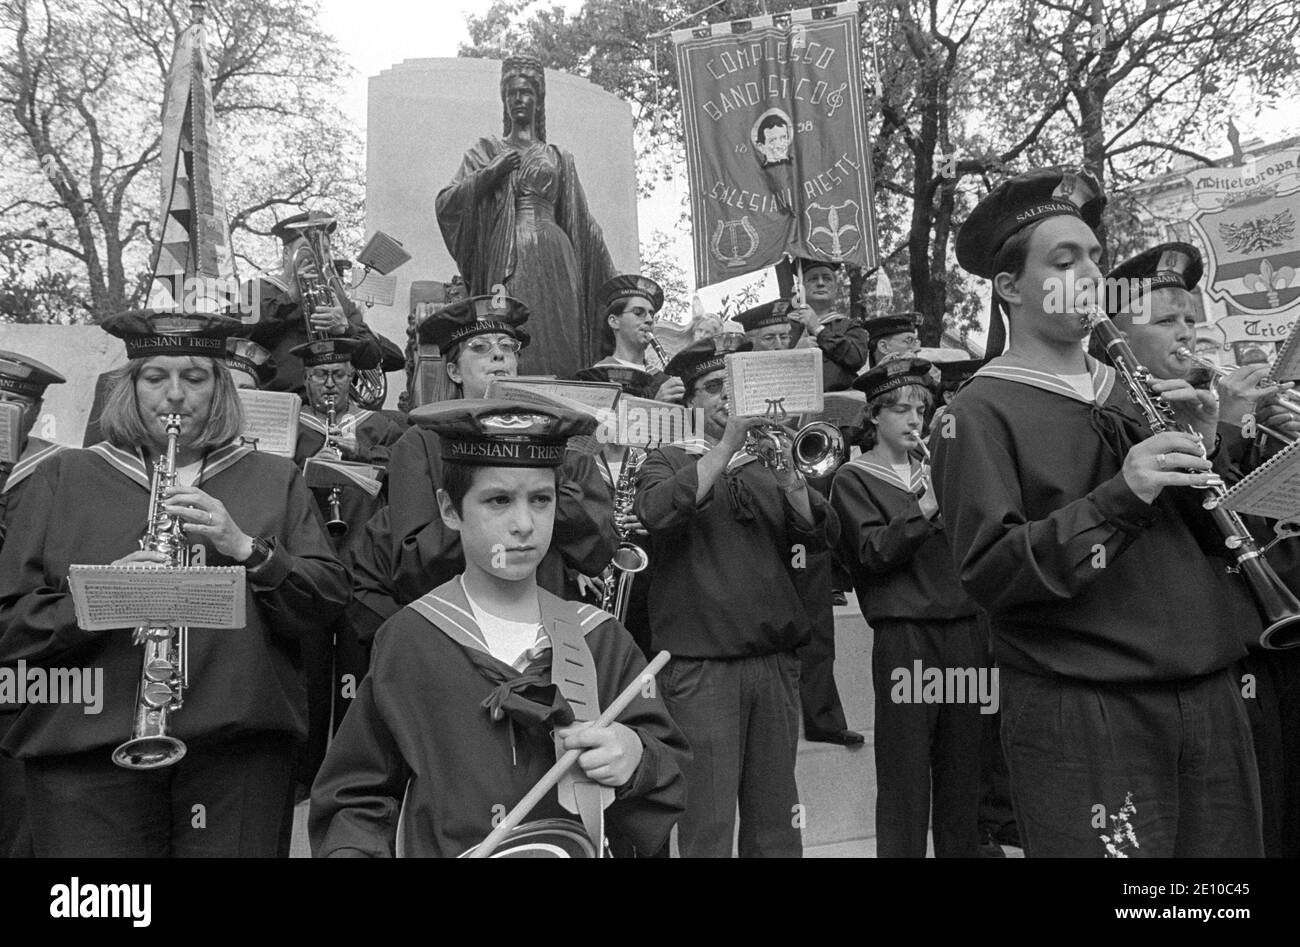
(152, 752)
(818, 449)
(336, 528)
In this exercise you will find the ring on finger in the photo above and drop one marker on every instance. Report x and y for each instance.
(209, 517)
(1160, 461)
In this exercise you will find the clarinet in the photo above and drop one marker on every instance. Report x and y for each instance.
(1278, 606)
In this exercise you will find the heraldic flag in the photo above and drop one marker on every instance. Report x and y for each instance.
(776, 142)
(194, 249)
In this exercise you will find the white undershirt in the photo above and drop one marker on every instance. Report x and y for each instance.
(1081, 383)
(622, 361)
(904, 472)
(507, 641)
(185, 476)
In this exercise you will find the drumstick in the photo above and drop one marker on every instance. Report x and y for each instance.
(565, 762)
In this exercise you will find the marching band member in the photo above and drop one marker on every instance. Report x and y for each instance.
(768, 330)
(766, 327)
(334, 664)
(23, 382)
(893, 539)
(728, 535)
(844, 342)
(1153, 305)
(1113, 634)
(630, 304)
(454, 723)
(250, 365)
(892, 336)
(406, 548)
(245, 707)
(281, 325)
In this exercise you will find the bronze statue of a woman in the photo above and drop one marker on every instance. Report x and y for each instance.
(515, 214)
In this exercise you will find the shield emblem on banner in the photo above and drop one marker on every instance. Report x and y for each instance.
(834, 230)
(1254, 253)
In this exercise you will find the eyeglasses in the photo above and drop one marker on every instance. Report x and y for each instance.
(715, 386)
(320, 376)
(639, 312)
(483, 346)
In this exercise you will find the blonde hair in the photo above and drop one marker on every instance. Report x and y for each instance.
(123, 426)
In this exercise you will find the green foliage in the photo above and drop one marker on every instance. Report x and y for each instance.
(32, 293)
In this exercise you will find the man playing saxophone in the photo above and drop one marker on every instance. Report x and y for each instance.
(245, 707)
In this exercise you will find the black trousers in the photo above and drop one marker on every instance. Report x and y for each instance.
(224, 799)
(1180, 753)
(741, 719)
(1269, 682)
(15, 835)
(333, 666)
(928, 753)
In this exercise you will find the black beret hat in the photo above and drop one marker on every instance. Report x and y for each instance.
(290, 229)
(808, 264)
(625, 287)
(25, 377)
(895, 373)
(953, 374)
(149, 332)
(247, 356)
(768, 314)
(476, 315)
(700, 358)
(882, 327)
(331, 351)
(495, 432)
(1177, 264)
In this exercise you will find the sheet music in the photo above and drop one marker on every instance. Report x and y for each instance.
(326, 472)
(108, 597)
(593, 397)
(1286, 367)
(11, 416)
(1272, 490)
(272, 418)
(382, 253)
(369, 288)
(789, 380)
(642, 422)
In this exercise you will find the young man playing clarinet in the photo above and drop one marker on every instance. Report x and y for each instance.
(892, 537)
(629, 305)
(454, 724)
(1074, 527)
(729, 535)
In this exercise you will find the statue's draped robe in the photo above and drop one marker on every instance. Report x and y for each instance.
(535, 235)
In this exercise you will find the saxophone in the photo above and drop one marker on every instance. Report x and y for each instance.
(165, 672)
(629, 558)
(369, 385)
(1277, 605)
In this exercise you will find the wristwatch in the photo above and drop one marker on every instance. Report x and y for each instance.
(261, 552)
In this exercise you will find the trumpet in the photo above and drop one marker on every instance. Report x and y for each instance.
(165, 673)
(817, 447)
(1290, 404)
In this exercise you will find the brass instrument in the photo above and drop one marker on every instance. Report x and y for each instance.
(1277, 604)
(629, 558)
(369, 385)
(1290, 404)
(818, 447)
(164, 674)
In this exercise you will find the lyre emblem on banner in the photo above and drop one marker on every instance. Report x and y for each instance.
(734, 231)
(829, 226)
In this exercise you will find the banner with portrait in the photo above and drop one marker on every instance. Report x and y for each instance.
(776, 142)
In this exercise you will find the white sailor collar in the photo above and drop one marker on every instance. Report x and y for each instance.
(1010, 367)
(34, 454)
(133, 467)
(889, 475)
